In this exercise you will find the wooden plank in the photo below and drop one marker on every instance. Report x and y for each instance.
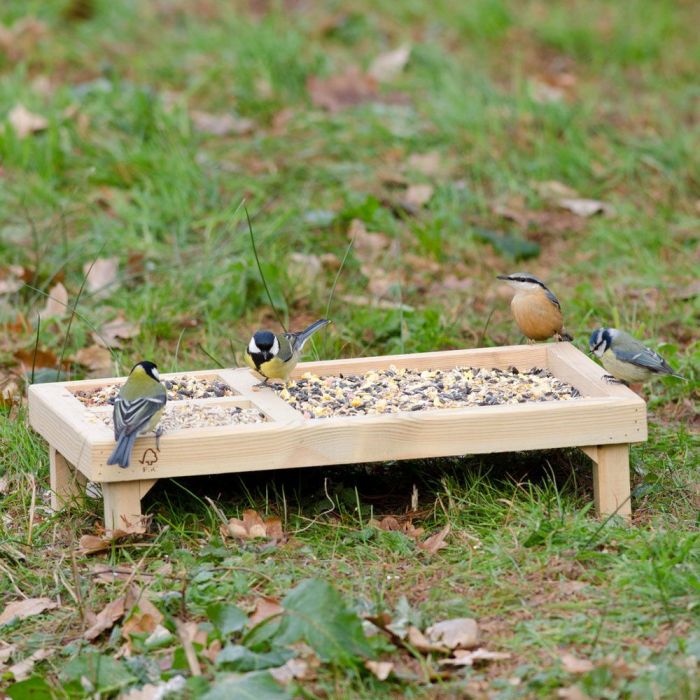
(611, 481)
(122, 503)
(521, 356)
(590, 451)
(263, 398)
(66, 482)
(387, 437)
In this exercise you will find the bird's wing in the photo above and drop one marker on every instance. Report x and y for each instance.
(552, 297)
(133, 416)
(643, 357)
(289, 344)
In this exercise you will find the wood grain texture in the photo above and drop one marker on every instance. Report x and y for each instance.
(66, 482)
(611, 481)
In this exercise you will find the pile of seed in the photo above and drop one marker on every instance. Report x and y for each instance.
(178, 388)
(393, 390)
(201, 416)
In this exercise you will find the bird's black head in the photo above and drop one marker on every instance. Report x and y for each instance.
(149, 368)
(600, 341)
(263, 346)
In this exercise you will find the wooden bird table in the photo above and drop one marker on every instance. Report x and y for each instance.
(603, 421)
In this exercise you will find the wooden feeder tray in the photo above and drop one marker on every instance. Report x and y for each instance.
(602, 421)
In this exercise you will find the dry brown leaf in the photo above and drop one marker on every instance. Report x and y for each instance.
(25, 122)
(96, 358)
(116, 330)
(221, 124)
(26, 608)
(573, 664)
(265, 607)
(20, 39)
(417, 196)
(436, 542)
(389, 65)
(23, 669)
(367, 246)
(252, 526)
(38, 359)
(93, 544)
(338, 92)
(101, 275)
(390, 523)
(460, 633)
(585, 207)
(572, 693)
(294, 669)
(106, 618)
(57, 302)
(421, 643)
(381, 669)
(469, 658)
(11, 279)
(144, 616)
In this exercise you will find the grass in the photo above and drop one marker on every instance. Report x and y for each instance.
(124, 173)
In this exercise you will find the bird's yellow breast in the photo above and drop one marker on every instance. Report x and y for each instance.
(276, 368)
(537, 317)
(624, 370)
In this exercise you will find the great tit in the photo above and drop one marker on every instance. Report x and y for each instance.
(275, 355)
(535, 307)
(137, 409)
(626, 359)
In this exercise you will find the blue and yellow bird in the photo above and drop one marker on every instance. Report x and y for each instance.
(274, 355)
(536, 309)
(137, 409)
(627, 360)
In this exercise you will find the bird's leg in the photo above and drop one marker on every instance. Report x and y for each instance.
(158, 432)
(614, 380)
(259, 385)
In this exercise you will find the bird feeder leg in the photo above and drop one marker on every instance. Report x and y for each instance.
(611, 479)
(122, 502)
(66, 481)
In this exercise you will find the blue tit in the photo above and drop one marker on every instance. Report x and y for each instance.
(535, 308)
(626, 359)
(275, 355)
(137, 409)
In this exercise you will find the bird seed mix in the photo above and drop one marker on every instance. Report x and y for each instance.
(393, 390)
(178, 388)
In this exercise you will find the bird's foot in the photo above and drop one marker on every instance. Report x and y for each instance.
(260, 385)
(614, 380)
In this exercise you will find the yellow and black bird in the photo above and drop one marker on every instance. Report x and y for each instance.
(536, 309)
(274, 355)
(137, 409)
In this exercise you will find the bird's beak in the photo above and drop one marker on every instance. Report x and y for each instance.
(503, 277)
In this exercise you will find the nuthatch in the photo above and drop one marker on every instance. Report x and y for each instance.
(535, 308)
(626, 358)
(275, 355)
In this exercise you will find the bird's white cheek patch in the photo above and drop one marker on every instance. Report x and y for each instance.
(253, 349)
(275, 347)
(156, 374)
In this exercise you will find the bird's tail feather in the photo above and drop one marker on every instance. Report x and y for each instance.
(122, 452)
(304, 335)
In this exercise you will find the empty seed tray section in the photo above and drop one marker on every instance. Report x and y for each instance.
(346, 412)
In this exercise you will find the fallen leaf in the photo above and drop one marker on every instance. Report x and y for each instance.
(22, 37)
(115, 330)
(11, 279)
(37, 358)
(6, 651)
(417, 196)
(572, 664)
(221, 124)
(428, 163)
(436, 542)
(572, 693)
(25, 122)
(92, 544)
(144, 616)
(265, 607)
(174, 685)
(21, 609)
(338, 92)
(460, 633)
(388, 66)
(421, 643)
(367, 246)
(381, 669)
(23, 669)
(294, 669)
(106, 618)
(57, 302)
(585, 207)
(390, 523)
(95, 358)
(101, 274)
(469, 658)
(252, 526)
